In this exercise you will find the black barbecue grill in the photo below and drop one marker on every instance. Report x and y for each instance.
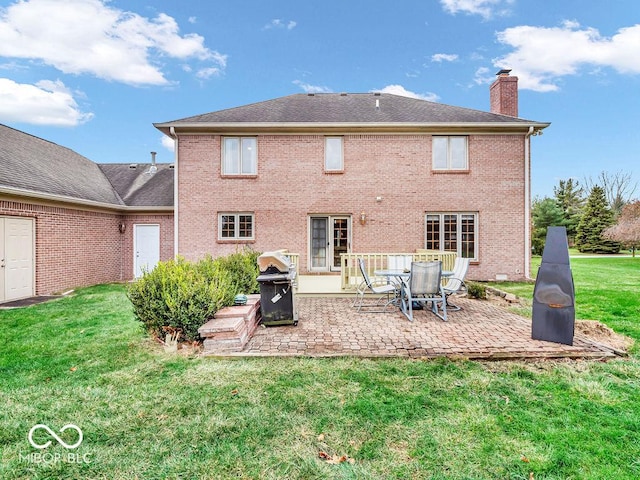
(277, 296)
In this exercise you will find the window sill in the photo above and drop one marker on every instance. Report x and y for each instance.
(252, 175)
(235, 241)
(333, 172)
(455, 172)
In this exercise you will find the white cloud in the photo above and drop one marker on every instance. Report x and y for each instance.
(483, 76)
(278, 23)
(168, 143)
(485, 8)
(46, 103)
(444, 57)
(543, 55)
(312, 88)
(91, 37)
(400, 90)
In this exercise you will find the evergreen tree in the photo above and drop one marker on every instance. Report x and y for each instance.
(570, 198)
(544, 213)
(597, 216)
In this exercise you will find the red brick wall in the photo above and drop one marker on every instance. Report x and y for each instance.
(76, 248)
(291, 184)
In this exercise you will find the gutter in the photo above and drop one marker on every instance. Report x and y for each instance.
(21, 192)
(172, 132)
(527, 203)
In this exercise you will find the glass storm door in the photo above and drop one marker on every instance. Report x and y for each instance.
(330, 236)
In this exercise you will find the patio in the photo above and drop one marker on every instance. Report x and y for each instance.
(328, 326)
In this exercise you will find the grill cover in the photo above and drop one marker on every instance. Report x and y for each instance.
(554, 313)
(274, 262)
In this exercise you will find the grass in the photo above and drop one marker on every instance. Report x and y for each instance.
(606, 290)
(147, 415)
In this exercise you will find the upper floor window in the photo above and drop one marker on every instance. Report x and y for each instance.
(333, 159)
(239, 156)
(450, 153)
(235, 226)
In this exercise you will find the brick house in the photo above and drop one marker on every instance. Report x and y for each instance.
(66, 221)
(324, 174)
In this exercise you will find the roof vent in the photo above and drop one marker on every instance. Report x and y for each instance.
(133, 165)
(152, 169)
(172, 166)
(343, 94)
(311, 94)
(376, 94)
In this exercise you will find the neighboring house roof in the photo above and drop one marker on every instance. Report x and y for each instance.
(35, 167)
(370, 109)
(137, 186)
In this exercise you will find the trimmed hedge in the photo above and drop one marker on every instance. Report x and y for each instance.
(184, 295)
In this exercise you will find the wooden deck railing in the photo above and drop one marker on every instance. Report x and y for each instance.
(350, 276)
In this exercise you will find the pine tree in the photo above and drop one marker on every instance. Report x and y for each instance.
(544, 213)
(570, 198)
(597, 216)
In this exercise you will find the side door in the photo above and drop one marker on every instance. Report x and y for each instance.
(146, 248)
(17, 262)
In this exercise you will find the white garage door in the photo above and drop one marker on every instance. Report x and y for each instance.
(17, 251)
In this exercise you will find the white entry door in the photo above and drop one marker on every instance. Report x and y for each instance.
(17, 258)
(146, 248)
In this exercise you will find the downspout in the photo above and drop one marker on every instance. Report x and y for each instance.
(172, 131)
(527, 203)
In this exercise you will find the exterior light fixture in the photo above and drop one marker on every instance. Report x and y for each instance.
(363, 218)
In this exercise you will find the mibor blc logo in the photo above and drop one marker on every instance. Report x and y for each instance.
(55, 436)
(41, 442)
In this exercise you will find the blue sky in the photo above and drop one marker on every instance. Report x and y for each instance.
(94, 75)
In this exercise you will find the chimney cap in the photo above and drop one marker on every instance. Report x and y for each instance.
(504, 71)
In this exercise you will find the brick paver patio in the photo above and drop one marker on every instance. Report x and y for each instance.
(481, 330)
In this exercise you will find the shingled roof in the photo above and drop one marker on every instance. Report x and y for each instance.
(32, 166)
(353, 108)
(138, 187)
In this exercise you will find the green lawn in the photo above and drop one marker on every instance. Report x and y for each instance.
(147, 415)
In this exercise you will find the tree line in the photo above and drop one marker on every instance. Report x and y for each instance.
(600, 215)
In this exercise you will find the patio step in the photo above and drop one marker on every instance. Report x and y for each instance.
(231, 327)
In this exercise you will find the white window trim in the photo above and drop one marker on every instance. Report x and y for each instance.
(449, 167)
(237, 216)
(458, 229)
(222, 156)
(326, 151)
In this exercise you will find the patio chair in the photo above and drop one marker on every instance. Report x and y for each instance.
(424, 287)
(455, 283)
(384, 295)
(399, 262)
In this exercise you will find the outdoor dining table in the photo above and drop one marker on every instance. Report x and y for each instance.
(402, 276)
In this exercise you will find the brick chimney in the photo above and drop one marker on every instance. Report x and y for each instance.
(504, 94)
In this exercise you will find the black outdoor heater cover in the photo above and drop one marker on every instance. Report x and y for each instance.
(554, 310)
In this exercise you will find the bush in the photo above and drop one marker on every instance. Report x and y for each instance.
(181, 295)
(244, 270)
(476, 290)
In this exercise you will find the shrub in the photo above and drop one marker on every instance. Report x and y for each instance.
(243, 268)
(476, 290)
(181, 295)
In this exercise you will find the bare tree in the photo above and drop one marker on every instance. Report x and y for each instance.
(619, 188)
(627, 228)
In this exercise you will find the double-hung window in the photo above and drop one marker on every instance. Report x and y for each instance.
(235, 226)
(450, 153)
(333, 158)
(453, 232)
(239, 156)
